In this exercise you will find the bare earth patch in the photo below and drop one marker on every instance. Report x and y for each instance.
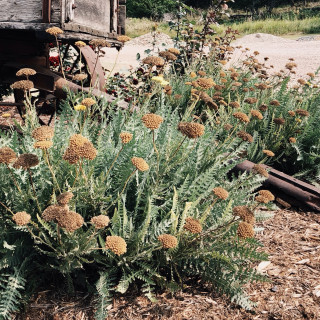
(292, 241)
(277, 49)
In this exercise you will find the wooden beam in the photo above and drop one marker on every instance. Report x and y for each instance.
(46, 11)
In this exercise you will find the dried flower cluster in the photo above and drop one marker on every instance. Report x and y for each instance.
(116, 244)
(262, 199)
(192, 225)
(100, 221)
(234, 104)
(279, 121)
(52, 212)
(267, 194)
(153, 61)
(251, 100)
(126, 137)
(88, 102)
(123, 39)
(54, 31)
(7, 155)
(191, 130)
(275, 103)
(256, 114)
(168, 241)
(245, 230)
(43, 133)
(245, 136)
(269, 153)
(69, 220)
(64, 198)
(244, 213)
(80, 77)
(302, 113)
(25, 72)
(258, 168)
(44, 145)
(140, 164)
(168, 55)
(26, 161)
(79, 148)
(99, 43)
(24, 85)
(205, 83)
(152, 121)
(21, 218)
(80, 44)
(242, 117)
(174, 51)
(221, 193)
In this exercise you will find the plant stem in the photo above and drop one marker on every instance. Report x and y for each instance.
(76, 178)
(94, 68)
(34, 190)
(113, 162)
(46, 156)
(6, 208)
(13, 178)
(114, 65)
(58, 234)
(60, 58)
(177, 149)
(125, 184)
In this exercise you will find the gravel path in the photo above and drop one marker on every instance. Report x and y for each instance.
(306, 52)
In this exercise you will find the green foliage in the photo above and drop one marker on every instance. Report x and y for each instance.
(151, 9)
(141, 206)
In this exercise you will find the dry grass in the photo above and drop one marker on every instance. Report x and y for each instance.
(136, 27)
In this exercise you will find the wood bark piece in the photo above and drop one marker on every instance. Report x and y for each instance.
(292, 190)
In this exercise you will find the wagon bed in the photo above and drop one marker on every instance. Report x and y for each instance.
(80, 19)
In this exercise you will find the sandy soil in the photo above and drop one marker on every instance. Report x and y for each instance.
(277, 49)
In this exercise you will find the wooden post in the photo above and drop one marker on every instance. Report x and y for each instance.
(46, 11)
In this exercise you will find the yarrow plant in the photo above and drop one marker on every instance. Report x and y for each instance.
(123, 197)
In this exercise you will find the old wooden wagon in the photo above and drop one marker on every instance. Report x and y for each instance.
(24, 42)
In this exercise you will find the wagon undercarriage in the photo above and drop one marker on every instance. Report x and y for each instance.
(26, 44)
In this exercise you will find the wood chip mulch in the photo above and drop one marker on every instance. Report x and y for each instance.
(292, 241)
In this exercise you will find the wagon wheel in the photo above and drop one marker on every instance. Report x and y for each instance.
(76, 61)
(82, 60)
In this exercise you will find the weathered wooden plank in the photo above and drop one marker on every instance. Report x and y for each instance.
(26, 25)
(122, 18)
(21, 11)
(56, 11)
(93, 14)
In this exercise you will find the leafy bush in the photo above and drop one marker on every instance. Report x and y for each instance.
(149, 9)
(151, 205)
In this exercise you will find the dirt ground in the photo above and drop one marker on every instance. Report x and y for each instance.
(292, 240)
(277, 49)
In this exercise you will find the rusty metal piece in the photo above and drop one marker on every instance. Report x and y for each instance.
(94, 67)
(46, 11)
(294, 191)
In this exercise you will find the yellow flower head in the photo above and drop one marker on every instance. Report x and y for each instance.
(157, 79)
(164, 83)
(80, 44)
(80, 107)
(193, 74)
